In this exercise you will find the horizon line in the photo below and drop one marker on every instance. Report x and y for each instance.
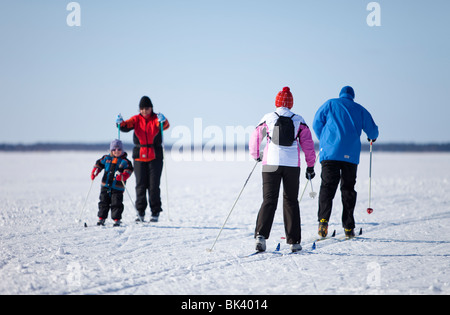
(95, 146)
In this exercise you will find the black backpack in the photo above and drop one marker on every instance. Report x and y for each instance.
(284, 131)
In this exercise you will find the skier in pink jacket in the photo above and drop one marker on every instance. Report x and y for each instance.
(286, 134)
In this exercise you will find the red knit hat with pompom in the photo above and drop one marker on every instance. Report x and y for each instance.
(284, 98)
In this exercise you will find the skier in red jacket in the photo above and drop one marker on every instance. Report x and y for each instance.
(147, 156)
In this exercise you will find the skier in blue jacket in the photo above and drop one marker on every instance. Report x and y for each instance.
(338, 124)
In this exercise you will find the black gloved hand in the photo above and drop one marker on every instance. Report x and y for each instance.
(310, 174)
(260, 158)
(373, 140)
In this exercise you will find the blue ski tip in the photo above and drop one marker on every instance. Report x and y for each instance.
(314, 246)
(334, 233)
(278, 248)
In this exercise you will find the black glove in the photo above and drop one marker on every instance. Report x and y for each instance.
(373, 140)
(310, 174)
(260, 158)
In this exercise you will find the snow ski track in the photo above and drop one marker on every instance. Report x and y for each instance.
(242, 261)
(376, 227)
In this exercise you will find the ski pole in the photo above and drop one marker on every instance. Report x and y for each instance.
(369, 209)
(303, 192)
(306, 184)
(131, 200)
(165, 170)
(118, 121)
(312, 194)
(232, 208)
(85, 201)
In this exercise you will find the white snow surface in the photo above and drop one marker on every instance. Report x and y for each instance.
(404, 249)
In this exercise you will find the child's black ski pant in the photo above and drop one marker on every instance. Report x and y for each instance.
(110, 199)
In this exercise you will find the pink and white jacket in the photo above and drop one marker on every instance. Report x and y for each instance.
(281, 155)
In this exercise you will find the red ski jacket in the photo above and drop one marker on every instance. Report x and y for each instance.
(147, 136)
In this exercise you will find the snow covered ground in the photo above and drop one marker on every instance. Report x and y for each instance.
(405, 248)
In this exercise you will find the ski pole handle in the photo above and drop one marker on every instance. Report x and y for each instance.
(119, 120)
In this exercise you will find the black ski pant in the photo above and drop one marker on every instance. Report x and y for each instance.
(148, 180)
(272, 178)
(110, 199)
(334, 172)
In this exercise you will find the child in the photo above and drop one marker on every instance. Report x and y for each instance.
(117, 170)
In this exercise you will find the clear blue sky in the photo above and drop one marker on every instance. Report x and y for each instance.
(220, 60)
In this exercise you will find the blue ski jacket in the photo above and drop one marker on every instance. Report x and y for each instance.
(338, 124)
